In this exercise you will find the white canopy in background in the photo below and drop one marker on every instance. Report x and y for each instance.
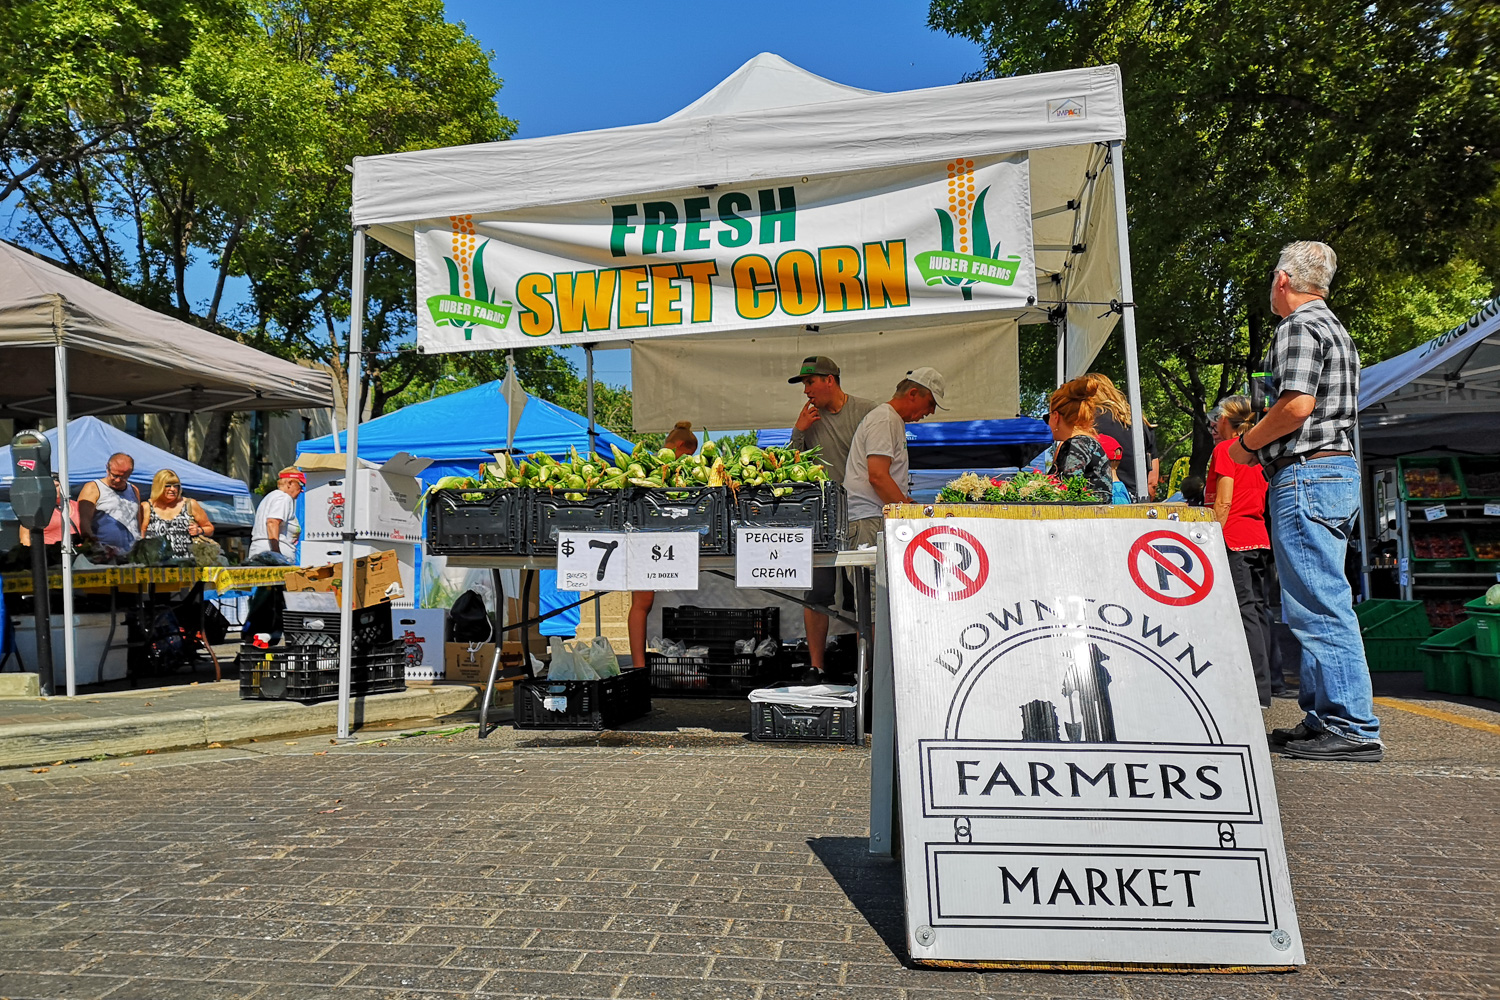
(771, 120)
(1443, 394)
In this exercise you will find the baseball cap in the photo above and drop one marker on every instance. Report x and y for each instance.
(932, 380)
(818, 365)
(1113, 450)
(292, 472)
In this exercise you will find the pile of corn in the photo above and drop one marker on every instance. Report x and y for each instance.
(662, 469)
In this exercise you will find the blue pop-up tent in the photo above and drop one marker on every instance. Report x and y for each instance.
(961, 444)
(90, 443)
(458, 430)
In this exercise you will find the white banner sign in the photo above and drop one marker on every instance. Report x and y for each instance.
(946, 237)
(627, 560)
(1084, 772)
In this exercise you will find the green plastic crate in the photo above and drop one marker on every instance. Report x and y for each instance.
(1387, 619)
(1484, 675)
(1487, 634)
(1446, 468)
(1389, 655)
(1446, 659)
(1481, 477)
(1478, 607)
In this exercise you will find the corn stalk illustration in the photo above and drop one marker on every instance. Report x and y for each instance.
(466, 268)
(964, 219)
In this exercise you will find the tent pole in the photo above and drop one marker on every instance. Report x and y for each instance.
(1127, 314)
(510, 423)
(588, 358)
(70, 640)
(1364, 515)
(356, 354)
(1062, 348)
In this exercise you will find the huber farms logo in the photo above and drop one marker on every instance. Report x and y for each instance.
(964, 227)
(470, 301)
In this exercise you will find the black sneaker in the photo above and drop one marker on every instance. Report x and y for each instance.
(1287, 692)
(1329, 745)
(1281, 737)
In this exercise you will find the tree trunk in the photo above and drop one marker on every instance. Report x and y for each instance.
(214, 438)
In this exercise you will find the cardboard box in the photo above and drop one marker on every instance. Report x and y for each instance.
(424, 630)
(385, 498)
(322, 553)
(469, 662)
(377, 578)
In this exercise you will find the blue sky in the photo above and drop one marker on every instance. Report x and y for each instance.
(569, 67)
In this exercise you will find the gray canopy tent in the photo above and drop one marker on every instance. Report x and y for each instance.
(72, 348)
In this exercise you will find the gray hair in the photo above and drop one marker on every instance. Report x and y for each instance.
(1310, 266)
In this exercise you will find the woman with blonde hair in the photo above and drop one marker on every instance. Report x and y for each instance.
(1116, 420)
(1238, 495)
(683, 441)
(1073, 408)
(170, 515)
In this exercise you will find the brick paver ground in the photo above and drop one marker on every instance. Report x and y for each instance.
(694, 866)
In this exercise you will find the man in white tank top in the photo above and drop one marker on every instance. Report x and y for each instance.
(109, 509)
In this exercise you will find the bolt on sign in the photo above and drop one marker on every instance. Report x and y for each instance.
(945, 237)
(1083, 770)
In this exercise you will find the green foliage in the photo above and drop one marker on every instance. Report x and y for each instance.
(1373, 126)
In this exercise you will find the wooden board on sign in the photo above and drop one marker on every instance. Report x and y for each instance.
(1084, 775)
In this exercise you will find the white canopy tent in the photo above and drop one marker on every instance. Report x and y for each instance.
(71, 349)
(769, 122)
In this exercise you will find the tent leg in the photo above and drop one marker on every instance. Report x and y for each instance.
(510, 421)
(588, 359)
(70, 640)
(1127, 311)
(1062, 349)
(1364, 517)
(356, 354)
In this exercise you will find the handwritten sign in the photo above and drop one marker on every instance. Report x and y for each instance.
(780, 558)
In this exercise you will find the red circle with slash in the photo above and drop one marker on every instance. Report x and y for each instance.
(1190, 568)
(958, 564)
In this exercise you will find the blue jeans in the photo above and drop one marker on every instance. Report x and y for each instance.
(1312, 507)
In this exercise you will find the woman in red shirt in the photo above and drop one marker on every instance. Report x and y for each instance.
(1238, 495)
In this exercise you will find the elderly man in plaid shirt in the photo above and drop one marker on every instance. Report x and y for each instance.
(1305, 444)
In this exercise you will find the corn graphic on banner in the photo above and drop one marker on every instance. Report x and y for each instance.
(938, 238)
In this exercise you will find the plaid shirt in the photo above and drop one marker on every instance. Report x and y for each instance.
(1313, 353)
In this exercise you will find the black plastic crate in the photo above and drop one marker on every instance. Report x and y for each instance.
(803, 723)
(311, 673)
(703, 509)
(488, 522)
(548, 513)
(821, 507)
(601, 704)
(720, 628)
(372, 627)
(710, 676)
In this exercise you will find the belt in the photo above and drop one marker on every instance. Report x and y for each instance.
(1285, 460)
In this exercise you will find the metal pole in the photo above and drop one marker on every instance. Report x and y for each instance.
(1364, 515)
(70, 638)
(356, 352)
(1127, 311)
(510, 420)
(588, 358)
(883, 718)
(1062, 348)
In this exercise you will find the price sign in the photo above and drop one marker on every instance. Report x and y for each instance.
(662, 560)
(1492, 510)
(588, 560)
(1436, 513)
(773, 557)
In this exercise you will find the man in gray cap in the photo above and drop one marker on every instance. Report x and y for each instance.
(878, 471)
(827, 422)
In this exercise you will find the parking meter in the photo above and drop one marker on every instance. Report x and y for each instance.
(33, 496)
(32, 493)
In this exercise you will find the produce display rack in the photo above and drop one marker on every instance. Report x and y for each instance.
(1447, 560)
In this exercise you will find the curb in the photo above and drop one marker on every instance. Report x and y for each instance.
(50, 742)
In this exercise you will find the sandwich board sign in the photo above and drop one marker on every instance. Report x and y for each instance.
(1084, 776)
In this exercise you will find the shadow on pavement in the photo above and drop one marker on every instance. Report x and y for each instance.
(872, 883)
(1410, 685)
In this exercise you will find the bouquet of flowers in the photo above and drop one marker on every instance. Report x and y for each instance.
(1024, 487)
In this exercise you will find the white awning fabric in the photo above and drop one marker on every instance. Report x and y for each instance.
(123, 357)
(1458, 372)
(770, 120)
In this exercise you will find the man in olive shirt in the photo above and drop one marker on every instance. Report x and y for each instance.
(827, 422)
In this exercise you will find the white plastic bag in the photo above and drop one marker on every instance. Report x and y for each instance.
(767, 649)
(600, 656)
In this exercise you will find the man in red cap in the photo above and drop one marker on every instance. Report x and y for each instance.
(273, 540)
(1115, 452)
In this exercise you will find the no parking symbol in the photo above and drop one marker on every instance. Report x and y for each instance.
(946, 564)
(1170, 569)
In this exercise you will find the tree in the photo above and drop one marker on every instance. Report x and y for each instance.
(1373, 126)
(216, 153)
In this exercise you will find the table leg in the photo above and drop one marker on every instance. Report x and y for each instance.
(883, 723)
(489, 687)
